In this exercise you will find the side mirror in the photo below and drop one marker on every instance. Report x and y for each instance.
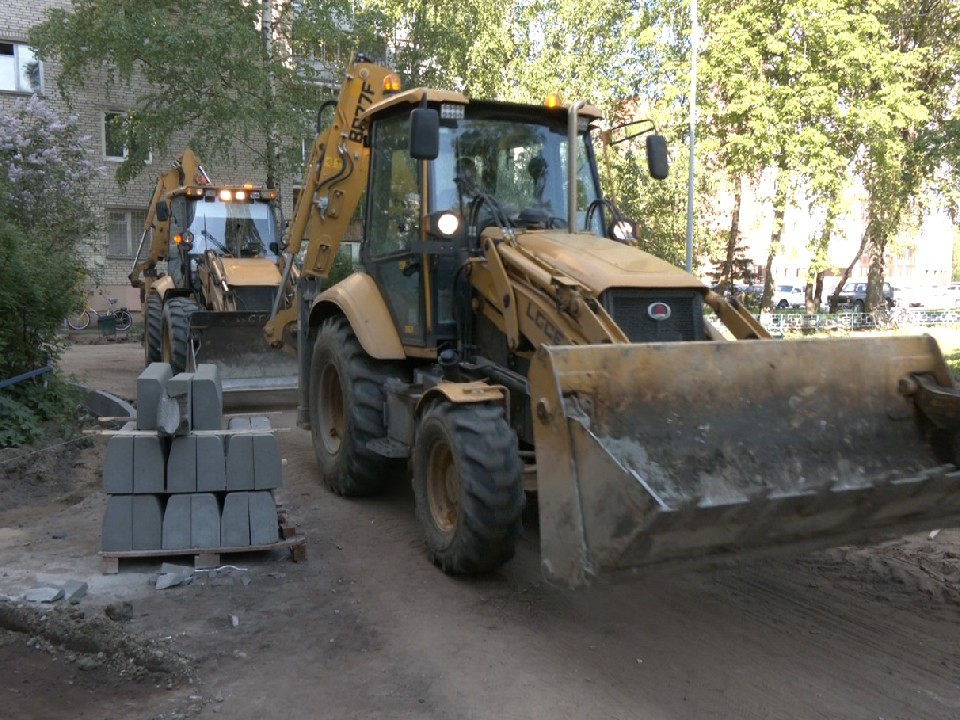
(424, 134)
(657, 163)
(162, 211)
(275, 247)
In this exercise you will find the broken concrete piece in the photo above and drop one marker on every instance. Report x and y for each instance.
(43, 594)
(74, 590)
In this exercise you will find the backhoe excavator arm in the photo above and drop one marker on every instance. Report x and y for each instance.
(187, 168)
(334, 181)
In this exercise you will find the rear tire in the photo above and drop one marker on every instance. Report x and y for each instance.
(467, 481)
(152, 329)
(124, 320)
(346, 411)
(175, 332)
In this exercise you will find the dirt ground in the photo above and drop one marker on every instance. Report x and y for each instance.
(368, 628)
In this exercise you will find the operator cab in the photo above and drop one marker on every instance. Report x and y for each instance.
(231, 222)
(442, 173)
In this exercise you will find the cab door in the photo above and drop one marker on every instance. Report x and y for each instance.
(393, 227)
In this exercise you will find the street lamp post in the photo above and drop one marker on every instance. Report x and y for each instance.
(694, 43)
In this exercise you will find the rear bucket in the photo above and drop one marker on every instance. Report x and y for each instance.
(234, 341)
(705, 453)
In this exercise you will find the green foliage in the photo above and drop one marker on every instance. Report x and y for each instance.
(212, 68)
(342, 267)
(46, 408)
(44, 214)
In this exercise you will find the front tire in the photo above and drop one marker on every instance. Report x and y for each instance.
(346, 411)
(152, 329)
(79, 322)
(175, 332)
(467, 481)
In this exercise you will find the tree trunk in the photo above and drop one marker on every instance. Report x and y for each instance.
(733, 238)
(776, 235)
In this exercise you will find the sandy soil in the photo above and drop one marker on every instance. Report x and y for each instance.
(368, 628)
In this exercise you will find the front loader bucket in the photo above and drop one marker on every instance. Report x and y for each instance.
(709, 452)
(235, 342)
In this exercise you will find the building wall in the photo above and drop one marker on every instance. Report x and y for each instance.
(109, 269)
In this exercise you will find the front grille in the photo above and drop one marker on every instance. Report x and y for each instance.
(254, 298)
(629, 308)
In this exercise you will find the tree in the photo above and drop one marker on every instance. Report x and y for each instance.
(213, 69)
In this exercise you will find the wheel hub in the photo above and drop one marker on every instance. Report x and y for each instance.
(332, 420)
(443, 488)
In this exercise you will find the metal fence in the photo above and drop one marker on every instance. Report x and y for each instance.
(799, 322)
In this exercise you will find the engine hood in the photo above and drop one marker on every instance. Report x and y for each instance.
(600, 263)
(246, 272)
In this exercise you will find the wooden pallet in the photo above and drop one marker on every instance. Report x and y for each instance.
(207, 558)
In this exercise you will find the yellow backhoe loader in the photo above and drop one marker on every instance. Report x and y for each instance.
(221, 245)
(507, 333)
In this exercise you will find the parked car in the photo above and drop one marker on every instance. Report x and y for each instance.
(788, 296)
(854, 296)
(952, 295)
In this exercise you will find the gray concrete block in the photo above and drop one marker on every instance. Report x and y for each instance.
(149, 463)
(207, 404)
(263, 519)
(176, 522)
(182, 465)
(150, 388)
(180, 388)
(260, 422)
(211, 464)
(118, 465)
(267, 465)
(239, 423)
(235, 520)
(169, 420)
(117, 531)
(240, 466)
(204, 521)
(147, 516)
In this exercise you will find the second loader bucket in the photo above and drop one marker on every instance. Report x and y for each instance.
(234, 341)
(709, 452)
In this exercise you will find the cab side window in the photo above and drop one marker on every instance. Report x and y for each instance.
(394, 190)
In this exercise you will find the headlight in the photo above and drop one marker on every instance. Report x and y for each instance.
(448, 224)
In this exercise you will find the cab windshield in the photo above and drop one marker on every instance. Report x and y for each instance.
(240, 229)
(521, 164)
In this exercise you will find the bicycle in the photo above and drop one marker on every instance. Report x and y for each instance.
(121, 315)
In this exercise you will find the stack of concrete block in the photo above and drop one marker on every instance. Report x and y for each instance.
(178, 481)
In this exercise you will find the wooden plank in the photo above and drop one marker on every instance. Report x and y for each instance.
(206, 558)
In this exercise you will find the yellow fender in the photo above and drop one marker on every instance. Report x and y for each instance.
(359, 299)
(162, 286)
(462, 393)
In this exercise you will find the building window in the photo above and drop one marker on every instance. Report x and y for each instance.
(20, 70)
(124, 228)
(116, 136)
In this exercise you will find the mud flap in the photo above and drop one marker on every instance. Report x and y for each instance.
(705, 453)
(235, 342)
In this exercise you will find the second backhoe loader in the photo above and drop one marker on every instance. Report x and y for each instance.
(507, 334)
(220, 244)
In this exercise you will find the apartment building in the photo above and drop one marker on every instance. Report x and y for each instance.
(122, 210)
